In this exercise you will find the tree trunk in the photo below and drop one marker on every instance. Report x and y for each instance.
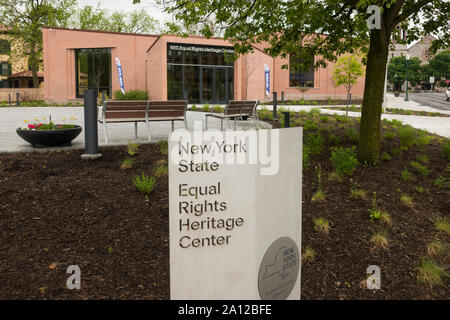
(370, 132)
(34, 64)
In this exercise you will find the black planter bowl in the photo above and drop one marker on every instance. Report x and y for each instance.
(49, 138)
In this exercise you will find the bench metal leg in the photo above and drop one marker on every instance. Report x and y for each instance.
(135, 130)
(148, 132)
(105, 132)
(256, 120)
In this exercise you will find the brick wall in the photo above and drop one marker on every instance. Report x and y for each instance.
(24, 94)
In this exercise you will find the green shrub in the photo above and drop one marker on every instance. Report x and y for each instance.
(314, 142)
(218, 109)
(163, 147)
(431, 273)
(324, 119)
(194, 108)
(344, 160)
(334, 139)
(352, 135)
(406, 175)
(390, 135)
(161, 169)
(422, 139)
(326, 129)
(441, 182)
(127, 164)
(303, 113)
(395, 123)
(305, 156)
(314, 112)
(385, 156)
(206, 108)
(310, 125)
(133, 148)
(419, 167)
(131, 95)
(422, 158)
(407, 135)
(297, 122)
(445, 149)
(357, 193)
(340, 118)
(144, 184)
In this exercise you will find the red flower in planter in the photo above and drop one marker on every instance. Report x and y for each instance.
(31, 126)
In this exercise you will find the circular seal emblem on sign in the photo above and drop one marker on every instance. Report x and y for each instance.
(279, 270)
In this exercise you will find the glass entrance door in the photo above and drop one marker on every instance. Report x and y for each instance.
(215, 85)
(221, 83)
(207, 88)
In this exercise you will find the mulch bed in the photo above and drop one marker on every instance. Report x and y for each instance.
(57, 210)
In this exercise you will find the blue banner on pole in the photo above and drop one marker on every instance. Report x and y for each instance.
(120, 73)
(267, 79)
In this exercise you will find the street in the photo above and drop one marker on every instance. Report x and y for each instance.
(434, 100)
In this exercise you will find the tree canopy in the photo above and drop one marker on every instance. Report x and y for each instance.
(397, 70)
(418, 71)
(326, 28)
(90, 18)
(25, 19)
(440, 65)
(347, 71)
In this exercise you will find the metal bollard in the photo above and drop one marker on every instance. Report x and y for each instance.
(103, 96)
(275, 114)
(17, 99)
(287, 119)
(282, 96)
(9, 99)
(90, 125)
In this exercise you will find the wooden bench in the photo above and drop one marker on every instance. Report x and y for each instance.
(142, 111)
(236, 110)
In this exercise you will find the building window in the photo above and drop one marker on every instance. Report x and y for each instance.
(298, 76)
(4, 84)
(5, 47)
(199, 74)
(93, 70)
(5, 69)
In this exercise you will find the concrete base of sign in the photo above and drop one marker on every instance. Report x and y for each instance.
(91, 156)
(235, 230)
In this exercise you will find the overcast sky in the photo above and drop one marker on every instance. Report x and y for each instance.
(127, 5)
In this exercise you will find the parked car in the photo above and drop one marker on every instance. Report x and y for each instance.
(448, 93)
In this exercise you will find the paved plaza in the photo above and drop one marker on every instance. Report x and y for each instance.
(123, 133)
(118, 133)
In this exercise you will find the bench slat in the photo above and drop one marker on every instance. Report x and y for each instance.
(143, 120)
(124, 114)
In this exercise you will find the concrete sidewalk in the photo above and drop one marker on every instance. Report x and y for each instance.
(400, 103)
(118, 133)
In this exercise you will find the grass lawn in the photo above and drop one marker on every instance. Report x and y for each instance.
(57, 210)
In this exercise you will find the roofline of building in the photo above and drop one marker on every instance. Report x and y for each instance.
(106, 32)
